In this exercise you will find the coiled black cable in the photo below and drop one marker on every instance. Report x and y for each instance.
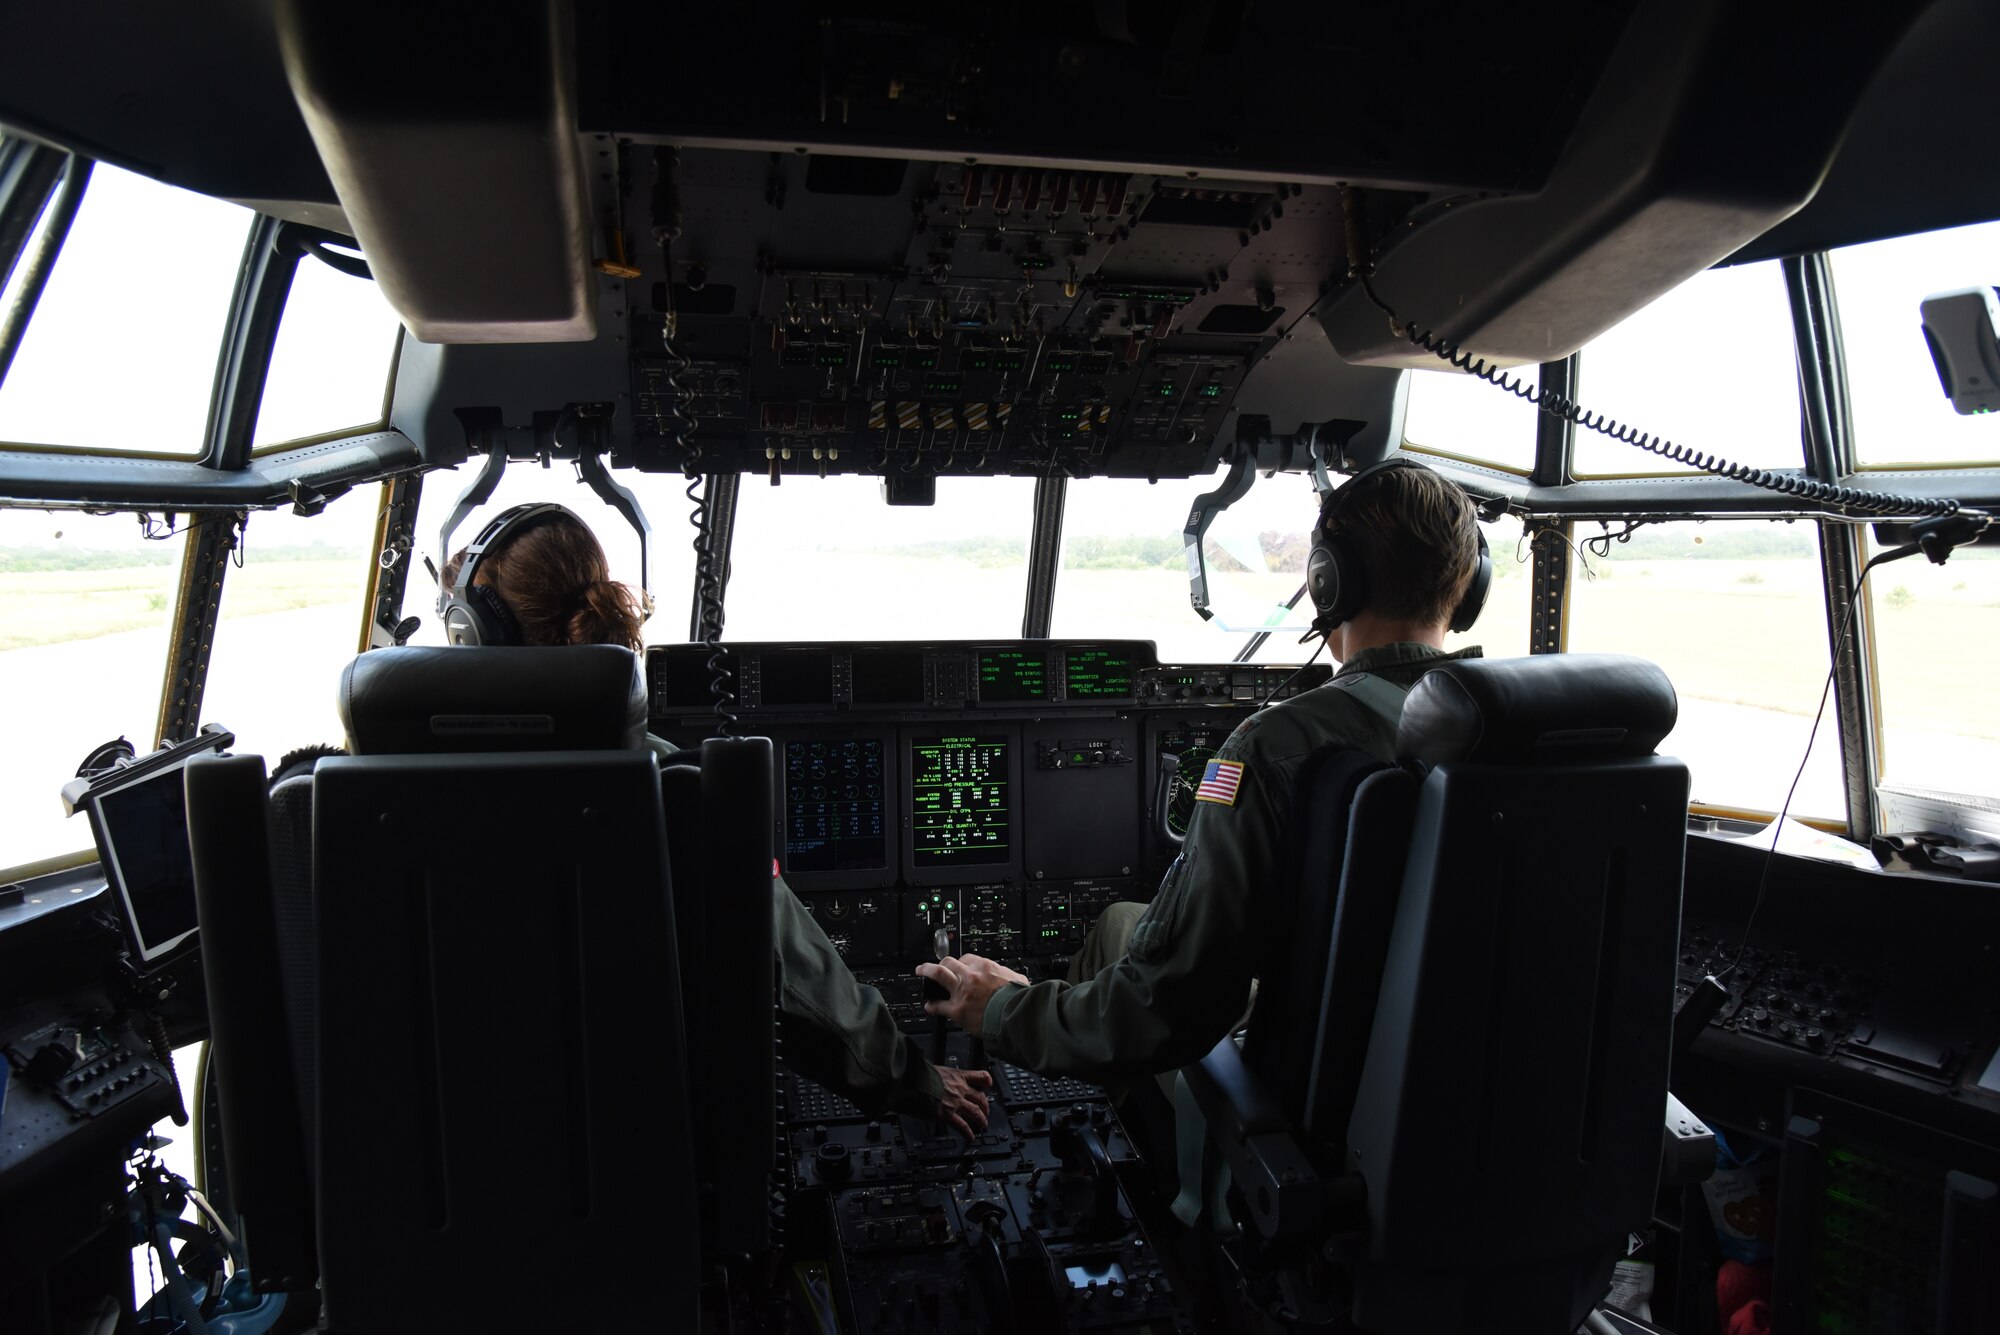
(708, 603)
(677, 424)
(1805, 488)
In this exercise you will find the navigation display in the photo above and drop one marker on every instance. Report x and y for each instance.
(889, 677)
(960, 813)
(795, 679)
(1007, 675)
(1091, 674)
(835, 806)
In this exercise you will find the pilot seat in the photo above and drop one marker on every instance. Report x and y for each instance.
(446, 994)
(1446, 1114)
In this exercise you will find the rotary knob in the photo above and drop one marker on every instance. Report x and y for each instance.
(831, 1163)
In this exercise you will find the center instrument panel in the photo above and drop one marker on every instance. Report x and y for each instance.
(1001, 791)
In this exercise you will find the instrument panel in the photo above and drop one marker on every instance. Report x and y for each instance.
(1000, 792)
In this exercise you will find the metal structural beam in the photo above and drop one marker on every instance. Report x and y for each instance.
(1828, 427)
(1044, 556)
(210, 539)
(395, 552)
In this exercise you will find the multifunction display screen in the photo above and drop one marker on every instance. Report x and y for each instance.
(888, 677)
(835, 812)
(1013, 674)
(796, 679)
(1091, 674)
(959, 801)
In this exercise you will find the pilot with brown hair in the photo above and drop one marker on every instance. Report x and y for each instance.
(553, 587)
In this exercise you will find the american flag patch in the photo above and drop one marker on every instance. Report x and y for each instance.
(1219, 782)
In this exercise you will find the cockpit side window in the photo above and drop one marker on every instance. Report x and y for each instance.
(1461, 416)
(1733, 610)
(1935, 633)
(84, 606)
(121, 352)
(1710, 365)
(291, 620)
(1900, 417)
(331, 361)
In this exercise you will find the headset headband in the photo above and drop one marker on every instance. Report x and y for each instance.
(1335, 571)
(474, 614)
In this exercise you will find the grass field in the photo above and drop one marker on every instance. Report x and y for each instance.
(50, 607)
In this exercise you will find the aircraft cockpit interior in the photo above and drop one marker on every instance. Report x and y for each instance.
(1183, 668)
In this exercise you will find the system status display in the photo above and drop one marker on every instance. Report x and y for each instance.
(835, 810)
(1012, 675)
(959, 801)
(1094, 674)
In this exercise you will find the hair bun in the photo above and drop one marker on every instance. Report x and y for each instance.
(608, 613)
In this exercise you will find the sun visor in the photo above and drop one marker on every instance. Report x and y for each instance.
(450, 136)
(1694, 142)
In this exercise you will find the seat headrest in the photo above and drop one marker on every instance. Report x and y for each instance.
(1548, 709)
(419, 701)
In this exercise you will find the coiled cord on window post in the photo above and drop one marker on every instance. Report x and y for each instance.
(677, 424)
(1805, 488)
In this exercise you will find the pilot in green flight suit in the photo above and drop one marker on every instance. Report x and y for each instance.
(554, 585)
(1156, 987)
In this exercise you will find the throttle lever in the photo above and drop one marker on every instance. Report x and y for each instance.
(1083, 1149)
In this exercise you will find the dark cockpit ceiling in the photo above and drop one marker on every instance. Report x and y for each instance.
(1167, 197)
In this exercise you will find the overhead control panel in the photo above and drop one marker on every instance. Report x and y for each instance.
(839, 315)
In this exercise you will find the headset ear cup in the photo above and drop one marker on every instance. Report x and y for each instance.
(1474, 601)
(1333, 578)
(495, 619)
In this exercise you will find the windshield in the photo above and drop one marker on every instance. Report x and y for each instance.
(826, 559)
(1124, 576)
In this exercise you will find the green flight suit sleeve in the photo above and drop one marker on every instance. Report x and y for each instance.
(837, 1031)
(1185, 979)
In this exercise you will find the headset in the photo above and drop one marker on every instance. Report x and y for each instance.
(475, 615)
(1334, 570)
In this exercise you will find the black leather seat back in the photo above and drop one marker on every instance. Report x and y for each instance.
(1507, 1117)
(1307, 896)
(500, 1041)
(1377, 844)
(256, 1063)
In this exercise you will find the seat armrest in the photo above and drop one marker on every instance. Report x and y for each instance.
(1228, 1090)
(1287, 1198)
(1687, 1147)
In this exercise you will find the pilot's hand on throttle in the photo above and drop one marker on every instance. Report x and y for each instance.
(964, 1102)
(970, 982)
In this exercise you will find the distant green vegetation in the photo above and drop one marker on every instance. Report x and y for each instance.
(1131, 552)
(1084, 551)
(35, 560)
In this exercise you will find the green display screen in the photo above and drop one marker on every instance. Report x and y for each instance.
(1012, 674)
(1097, 673)
(958, 801)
